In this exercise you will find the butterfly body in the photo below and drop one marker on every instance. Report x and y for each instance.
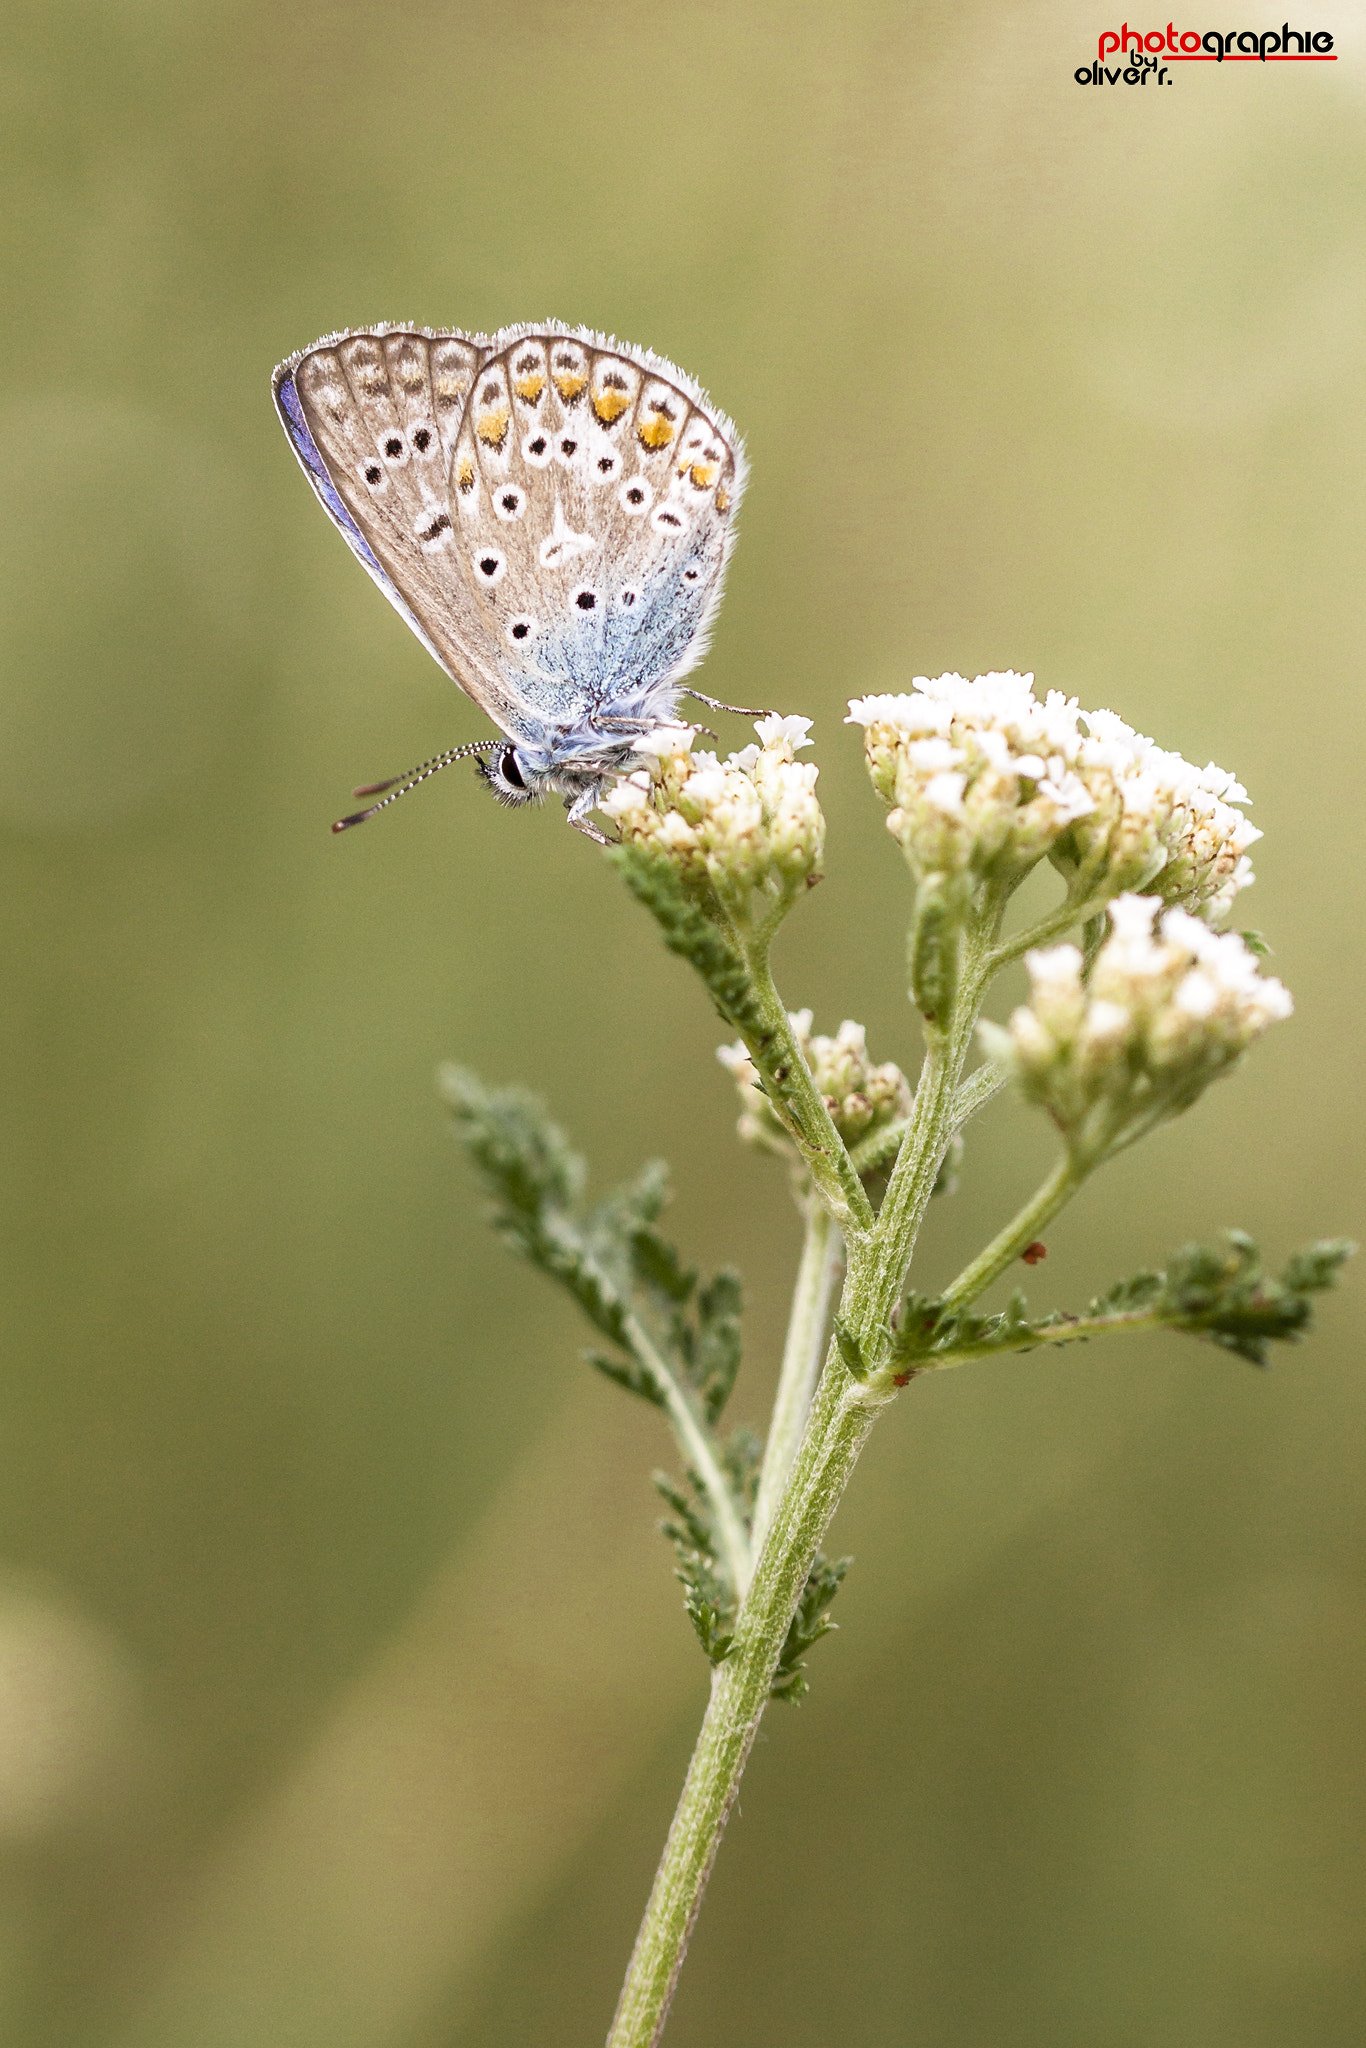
(550, 510)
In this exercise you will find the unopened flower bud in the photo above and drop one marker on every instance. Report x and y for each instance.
(862, 1098)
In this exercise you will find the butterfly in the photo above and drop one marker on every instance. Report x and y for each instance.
(550, 510)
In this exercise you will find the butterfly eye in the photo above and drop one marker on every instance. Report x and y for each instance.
(422, 440)
(635, 497)
(522, 629)
(627, 594)
(586, 599)
(536, 450)
(691, 575)
(490, 566)
(666, 520)
(504, 774)
(509, 504)
(372, 473)
(608, 465)
(393, 447)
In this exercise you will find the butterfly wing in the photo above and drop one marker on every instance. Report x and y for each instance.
(374, 417)
(551, 511)
(595, 488)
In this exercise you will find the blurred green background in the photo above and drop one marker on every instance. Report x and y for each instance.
(344, 1688)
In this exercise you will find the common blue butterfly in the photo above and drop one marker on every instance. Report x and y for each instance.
(550, 510)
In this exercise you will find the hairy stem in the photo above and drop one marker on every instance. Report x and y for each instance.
(838, 1426)
(790, 1088)
(841, 1415)
(822, 1251)
(1022, 1229)
(1079, 907)
(1075, 1330)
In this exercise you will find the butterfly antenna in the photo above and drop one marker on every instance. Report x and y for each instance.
(399, 785)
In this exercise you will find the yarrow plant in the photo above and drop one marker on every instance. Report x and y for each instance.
(1126, 1024)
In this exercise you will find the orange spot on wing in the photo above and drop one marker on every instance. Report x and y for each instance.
(610, 404)
(569, 383)
(530, 387)
(723, 499)
(464, 473)
(492, 428)
(655, 432)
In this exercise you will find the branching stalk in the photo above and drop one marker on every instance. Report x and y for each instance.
(836, 1432)
(822, 1252)
(1074, 1331)
(1023, 1228)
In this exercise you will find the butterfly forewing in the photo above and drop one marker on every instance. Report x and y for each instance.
(382, 409)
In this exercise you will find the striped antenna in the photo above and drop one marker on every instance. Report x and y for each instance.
(399, 785)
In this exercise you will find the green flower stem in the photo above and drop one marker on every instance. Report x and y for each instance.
(795, 1096)
(1075, 1330)
(840, 1420)
(1022, 1229)
(932, 1126)
(1078, 908)
(699, 1454)
(822, 1253)
(881, 1148)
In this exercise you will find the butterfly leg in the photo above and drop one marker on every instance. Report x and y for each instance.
(715, 704)
(644, 725)
(578, 808)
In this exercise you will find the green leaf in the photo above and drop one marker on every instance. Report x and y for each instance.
(850, 1349)
(673, 1340)
(717, 1350)
(934, 946)
(628, 1374)
(1220, 1292)
(1215, 1291)
(708, 1596)
(524, 1157)
(809, 1623)
(688, 931)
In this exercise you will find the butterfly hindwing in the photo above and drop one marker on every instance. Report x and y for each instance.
(601, 487)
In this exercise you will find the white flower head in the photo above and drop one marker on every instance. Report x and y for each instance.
(982, 778)
(748, 829)
(1167, 1007)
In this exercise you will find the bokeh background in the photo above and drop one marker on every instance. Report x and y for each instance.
(344, 1688)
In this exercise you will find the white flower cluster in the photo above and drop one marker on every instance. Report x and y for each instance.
(747, 824)
(1167, 1007)
(983, 777)
(861, 1098)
